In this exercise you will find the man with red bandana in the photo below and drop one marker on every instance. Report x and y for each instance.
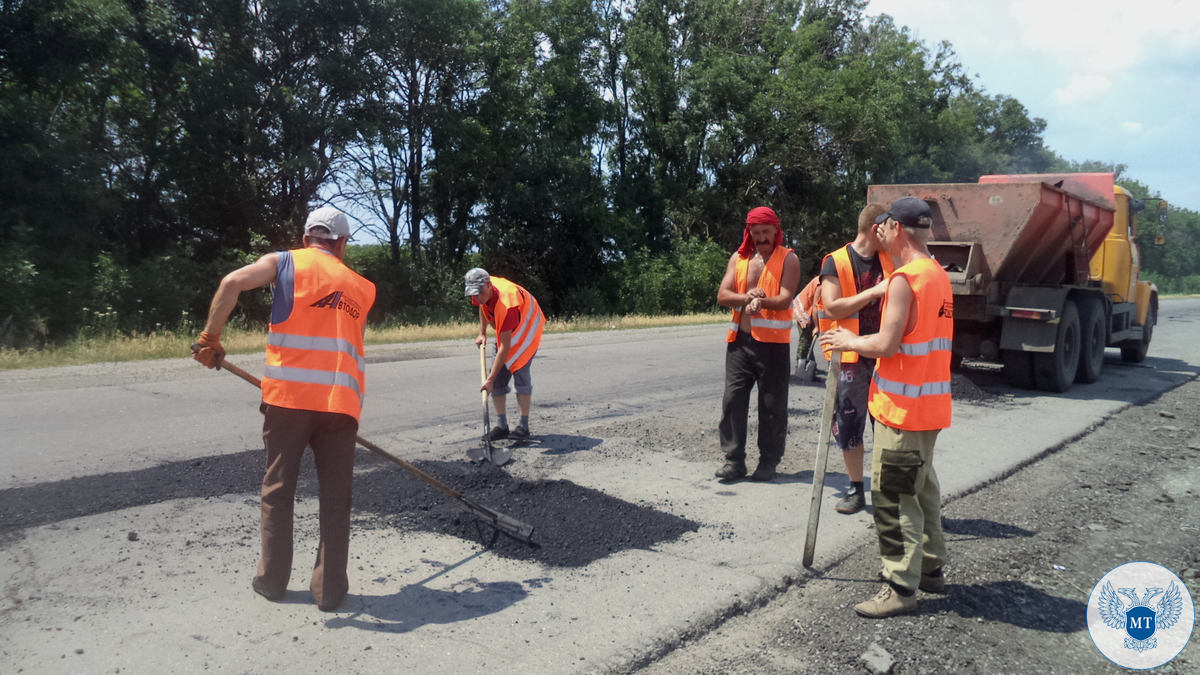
(760, 280)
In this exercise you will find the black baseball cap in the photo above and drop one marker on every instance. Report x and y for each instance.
(909, 211)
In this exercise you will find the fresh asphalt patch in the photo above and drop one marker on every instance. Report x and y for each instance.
(573, 525)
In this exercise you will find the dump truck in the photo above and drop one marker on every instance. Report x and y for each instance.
(1045, 272)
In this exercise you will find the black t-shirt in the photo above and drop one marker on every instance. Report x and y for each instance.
(867, 273)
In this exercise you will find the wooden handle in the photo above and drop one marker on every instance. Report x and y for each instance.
(818, 485)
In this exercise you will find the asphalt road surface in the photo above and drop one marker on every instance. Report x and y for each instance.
(129, 515)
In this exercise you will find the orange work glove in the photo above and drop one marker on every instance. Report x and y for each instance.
(208, 350)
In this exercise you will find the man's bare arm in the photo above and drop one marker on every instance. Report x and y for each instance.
(892, 326)
(258, 273)
(839, 307)
(727, 296)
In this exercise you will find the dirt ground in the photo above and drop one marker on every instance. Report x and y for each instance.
(1025, 553)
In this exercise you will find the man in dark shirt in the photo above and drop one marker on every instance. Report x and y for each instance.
(852, 285)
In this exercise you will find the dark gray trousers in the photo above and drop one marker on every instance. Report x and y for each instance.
(749, 362)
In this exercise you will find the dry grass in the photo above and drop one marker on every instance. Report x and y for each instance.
(168, 345)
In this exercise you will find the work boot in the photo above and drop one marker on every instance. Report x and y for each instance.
(498, 434)
(733, 470)
(933, 582)
(519, 433)
(330, 604)
(851, 503)
(887, 602)
(260, 587)
(764, 472)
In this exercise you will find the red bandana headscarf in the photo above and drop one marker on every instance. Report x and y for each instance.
(759, 215)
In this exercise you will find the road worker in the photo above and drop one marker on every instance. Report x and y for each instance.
(851, 287)
(514, 314)
(759, 282)
(312, 393)
(910, 401)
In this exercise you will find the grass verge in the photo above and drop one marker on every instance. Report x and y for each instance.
(169, 345)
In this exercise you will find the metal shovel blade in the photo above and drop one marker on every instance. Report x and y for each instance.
(497, 456)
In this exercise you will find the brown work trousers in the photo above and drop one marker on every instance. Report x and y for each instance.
(286, 433)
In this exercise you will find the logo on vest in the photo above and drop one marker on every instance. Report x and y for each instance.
(946, 310)
(335, 300)
(1140, 615)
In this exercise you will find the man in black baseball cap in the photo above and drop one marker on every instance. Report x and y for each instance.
(908, 211)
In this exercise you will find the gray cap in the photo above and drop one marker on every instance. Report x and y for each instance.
(329, 218)
(476, 279)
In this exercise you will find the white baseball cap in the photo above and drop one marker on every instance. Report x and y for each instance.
(334, 221)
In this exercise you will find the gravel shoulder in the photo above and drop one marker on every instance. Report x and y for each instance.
(1025, 553)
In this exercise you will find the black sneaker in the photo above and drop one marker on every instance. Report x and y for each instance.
(520, 433)
(933, 582)
(498, 434)
(763, 473)
(851, 503)
(733, 470)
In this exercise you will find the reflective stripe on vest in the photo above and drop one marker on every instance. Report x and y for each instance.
(769, 325)
(327, 377)
(318, 344)
(849, 287)
(315, 357)
(527, 336)
(923, 348)
(910, 390)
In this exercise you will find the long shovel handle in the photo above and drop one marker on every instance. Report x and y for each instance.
(506, 524)
(818, 486)
(487, 423)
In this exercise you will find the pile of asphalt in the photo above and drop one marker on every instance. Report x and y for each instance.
(573, 525)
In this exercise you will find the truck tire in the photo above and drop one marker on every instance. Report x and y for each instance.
(1055, 371)
(1134, 351)
(1018, 368)
(1093, 338)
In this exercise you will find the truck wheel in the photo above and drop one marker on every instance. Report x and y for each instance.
(1092, 339)
(1018, 368)
(1134, 351)
(1055, 371)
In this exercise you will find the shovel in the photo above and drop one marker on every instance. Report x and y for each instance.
(818, 486)
(522, 532)
(486, 451)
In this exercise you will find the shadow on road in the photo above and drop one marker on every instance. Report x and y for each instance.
(979, 528)
(416, 605)
(1011, 602)
(562, 444)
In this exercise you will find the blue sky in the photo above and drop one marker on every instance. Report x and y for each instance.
(1117, 82)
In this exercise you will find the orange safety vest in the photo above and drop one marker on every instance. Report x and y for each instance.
(845, 273)
(911, 389)
(528, 334)
(805, 300)
(769, 325)
(315, 345)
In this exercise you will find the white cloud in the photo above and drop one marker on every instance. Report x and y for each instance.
(1096, 42)
(1084, 87)
(1115, 81)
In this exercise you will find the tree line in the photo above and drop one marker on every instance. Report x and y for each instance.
(603, 153)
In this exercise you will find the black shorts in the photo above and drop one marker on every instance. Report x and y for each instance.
(850, 418)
